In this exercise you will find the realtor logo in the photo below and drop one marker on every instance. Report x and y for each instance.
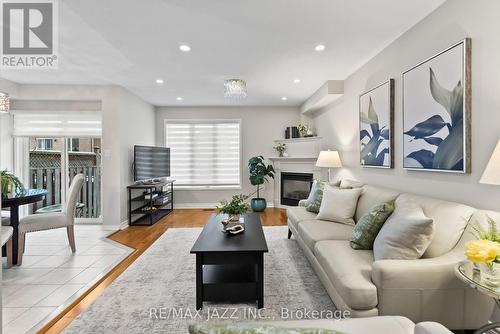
(29, 34)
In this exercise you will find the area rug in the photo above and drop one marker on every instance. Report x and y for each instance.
(156, 294)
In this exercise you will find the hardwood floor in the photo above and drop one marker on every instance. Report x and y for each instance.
(140, 238)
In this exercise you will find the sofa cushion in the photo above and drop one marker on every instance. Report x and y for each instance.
(313, 202)
(369, 225)
(339, 205)
(372, 196)
(298, 213)
(405, 235)
(349, 271)
(450, 220)
(349, 184)
(312, 231)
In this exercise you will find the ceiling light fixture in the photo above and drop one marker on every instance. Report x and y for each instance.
(179, 98)
(184, 48)
(4, 102)
(159, 81)
(319, 47)
(284, 98)
(235, 89)
(296, 81)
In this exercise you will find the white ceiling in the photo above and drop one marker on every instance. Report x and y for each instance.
(267, 43)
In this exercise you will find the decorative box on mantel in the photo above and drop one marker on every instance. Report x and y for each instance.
(298, 169)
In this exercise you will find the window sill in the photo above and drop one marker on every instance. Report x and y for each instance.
(207, 187)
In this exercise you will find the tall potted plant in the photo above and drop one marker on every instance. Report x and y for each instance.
(259, 173)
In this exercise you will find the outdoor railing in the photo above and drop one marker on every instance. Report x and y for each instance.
(50, 179)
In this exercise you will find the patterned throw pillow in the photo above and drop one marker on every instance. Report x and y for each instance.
(253, 329)
(315, 196)
(368, 226)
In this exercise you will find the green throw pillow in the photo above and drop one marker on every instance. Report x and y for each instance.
(369, 225)
(315, 196)
(256, 328)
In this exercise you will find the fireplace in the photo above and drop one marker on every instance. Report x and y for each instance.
(294, 187)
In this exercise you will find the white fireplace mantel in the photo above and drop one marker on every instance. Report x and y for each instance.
(292, 165)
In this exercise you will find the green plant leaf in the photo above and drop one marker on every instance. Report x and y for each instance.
(258, 171)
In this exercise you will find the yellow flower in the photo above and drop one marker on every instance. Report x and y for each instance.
(482, 251)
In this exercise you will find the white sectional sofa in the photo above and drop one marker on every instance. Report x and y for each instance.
(421, 290)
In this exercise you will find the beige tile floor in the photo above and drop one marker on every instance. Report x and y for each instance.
(51, 277)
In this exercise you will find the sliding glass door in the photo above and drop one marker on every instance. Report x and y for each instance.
(53, 163)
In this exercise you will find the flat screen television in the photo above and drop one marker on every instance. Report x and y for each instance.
(151, 162)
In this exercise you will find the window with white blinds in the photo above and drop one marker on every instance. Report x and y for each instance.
(57, 124)
(204, 153)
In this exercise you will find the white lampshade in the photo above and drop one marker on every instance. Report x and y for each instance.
(329, 159)
(491, 174)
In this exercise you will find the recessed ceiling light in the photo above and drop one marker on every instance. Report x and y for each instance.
(179, 98)
(284, 98)
(159, 81)
(296, 81)
(184, 48)
(319, 47)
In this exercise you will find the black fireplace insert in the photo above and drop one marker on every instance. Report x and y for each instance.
(294, 187)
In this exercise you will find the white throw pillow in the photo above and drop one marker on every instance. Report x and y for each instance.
(346, 183)
(406, 234)
(339, 205)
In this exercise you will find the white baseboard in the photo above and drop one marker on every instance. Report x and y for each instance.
(121, 226)
(205, 205)
(195, 205)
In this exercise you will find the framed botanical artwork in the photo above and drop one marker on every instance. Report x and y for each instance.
(376, 114)
(437, 112)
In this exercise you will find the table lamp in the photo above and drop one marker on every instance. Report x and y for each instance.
(491, 174)
(329, 159)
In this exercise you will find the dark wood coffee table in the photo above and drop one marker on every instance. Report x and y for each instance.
(230, 268)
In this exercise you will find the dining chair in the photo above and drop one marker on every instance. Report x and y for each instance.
(48, 221)
(6, 239)
(5, 215)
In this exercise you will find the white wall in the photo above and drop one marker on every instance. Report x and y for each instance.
(259, 126)
(450, 23)
(137, 128)
(6, 142)
(6, 125)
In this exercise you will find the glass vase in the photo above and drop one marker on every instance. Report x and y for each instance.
(490, 274)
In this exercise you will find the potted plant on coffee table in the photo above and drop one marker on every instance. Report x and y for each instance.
(259, 174)
(234, 208)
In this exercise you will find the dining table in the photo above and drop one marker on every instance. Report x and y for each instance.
(14, 201)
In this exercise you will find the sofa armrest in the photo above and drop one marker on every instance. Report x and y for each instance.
(430, 273)
(429, 327)
(302, 202)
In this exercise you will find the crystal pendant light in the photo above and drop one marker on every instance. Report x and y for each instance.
(235, 89)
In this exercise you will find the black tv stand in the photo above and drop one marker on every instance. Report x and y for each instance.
(150, 202)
